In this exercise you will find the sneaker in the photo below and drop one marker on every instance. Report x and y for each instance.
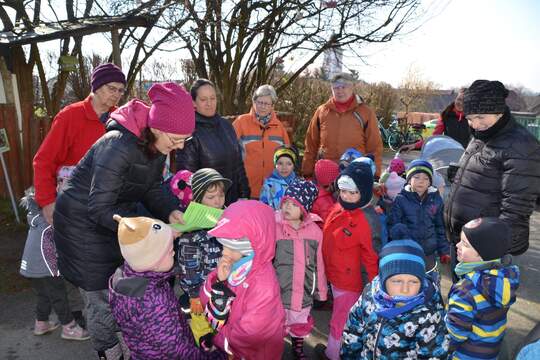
(73, 331)
(44, 327)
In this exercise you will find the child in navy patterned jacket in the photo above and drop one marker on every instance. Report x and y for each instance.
(401, 312)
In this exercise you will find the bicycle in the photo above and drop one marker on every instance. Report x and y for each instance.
(387, 133)
(410, 134)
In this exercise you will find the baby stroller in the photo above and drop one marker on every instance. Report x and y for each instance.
(440, 151)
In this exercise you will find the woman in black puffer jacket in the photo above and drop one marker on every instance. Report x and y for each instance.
(499, 173)
(124, 167)
(214, 144)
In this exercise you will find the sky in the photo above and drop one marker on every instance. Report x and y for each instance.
(466, 40)
(469, 40)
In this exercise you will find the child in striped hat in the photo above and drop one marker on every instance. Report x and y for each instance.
(401, 312)
(420, 207)
(198, 253)
(274, 186)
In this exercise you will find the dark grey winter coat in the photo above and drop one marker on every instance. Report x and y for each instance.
(112, 178)
(500, 178)
(214, 145)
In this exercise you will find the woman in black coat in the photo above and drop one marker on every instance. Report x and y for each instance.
(499, 172)
(214, 144)
(124, 167)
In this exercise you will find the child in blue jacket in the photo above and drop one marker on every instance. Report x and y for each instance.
(419, 206)
(283, 175)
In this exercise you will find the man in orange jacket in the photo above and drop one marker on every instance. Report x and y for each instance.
(343, 122)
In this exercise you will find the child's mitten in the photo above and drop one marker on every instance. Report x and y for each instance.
(217, 309)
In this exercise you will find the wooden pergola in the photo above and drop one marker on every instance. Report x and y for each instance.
(15, 115)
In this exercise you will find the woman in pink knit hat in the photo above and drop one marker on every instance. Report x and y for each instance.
(122, 169)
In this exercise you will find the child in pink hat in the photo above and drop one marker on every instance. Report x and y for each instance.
(326, 173)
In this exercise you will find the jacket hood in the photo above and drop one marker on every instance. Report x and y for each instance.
(409, 193)
(253, 220)
(497, 283)
(128, 282)
(275, 177)
(133, 116)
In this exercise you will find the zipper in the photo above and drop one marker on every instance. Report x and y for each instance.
(377, 340)
(262, 144)
(306, 253)
(451, 200)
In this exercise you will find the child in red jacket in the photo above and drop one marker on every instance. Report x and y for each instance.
(326, 173)
(349, 257)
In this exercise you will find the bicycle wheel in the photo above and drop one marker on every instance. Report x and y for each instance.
(395, 140)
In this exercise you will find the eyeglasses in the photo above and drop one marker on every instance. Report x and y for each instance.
(178, 142)
(263, 104)
(339, 86)
(114, 89)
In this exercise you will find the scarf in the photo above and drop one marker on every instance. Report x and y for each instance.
(264, 120)
(341, 107)
(241, 269)
(463, 268)
(390, 306)
(493, 130)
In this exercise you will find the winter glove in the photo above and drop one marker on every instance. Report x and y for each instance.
(445, 259)
(217, 309)
(195, 306)
(451, 172)
(206, 342)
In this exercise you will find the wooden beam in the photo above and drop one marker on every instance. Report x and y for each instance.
(79, 27)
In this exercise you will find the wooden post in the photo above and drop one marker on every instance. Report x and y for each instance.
(117, 59)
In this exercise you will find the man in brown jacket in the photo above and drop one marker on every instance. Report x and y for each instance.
(342, 122)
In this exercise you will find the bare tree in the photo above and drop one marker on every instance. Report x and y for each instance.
(240, 44)
(414, 90)
(382, 98)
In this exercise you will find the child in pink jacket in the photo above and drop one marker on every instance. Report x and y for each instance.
(299, 263)
(241, 296)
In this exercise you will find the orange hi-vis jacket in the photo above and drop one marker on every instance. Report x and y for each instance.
(258, 143)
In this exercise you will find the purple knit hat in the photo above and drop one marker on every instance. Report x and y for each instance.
(106, 73)
(172, 109)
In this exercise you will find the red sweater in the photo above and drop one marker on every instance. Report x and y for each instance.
(347, 249)
(74, 130)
